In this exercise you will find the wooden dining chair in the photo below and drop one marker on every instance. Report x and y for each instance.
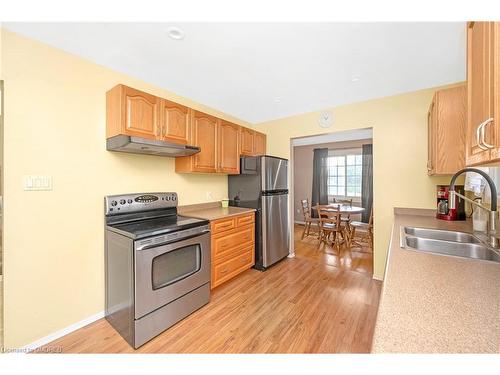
(330, 225)
(346, 202)
(366, 229)
(346, 218)
(308, 219)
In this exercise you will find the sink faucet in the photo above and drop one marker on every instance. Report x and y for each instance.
(493, 208)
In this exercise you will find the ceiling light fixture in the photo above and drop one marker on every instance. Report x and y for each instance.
(175, 33)
(355, 78)
(277, 99)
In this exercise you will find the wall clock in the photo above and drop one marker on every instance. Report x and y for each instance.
(325, 119)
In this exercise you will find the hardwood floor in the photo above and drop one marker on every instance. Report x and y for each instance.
(316, 302)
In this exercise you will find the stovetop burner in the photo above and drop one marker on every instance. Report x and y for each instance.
(153, 227)
(143, 215)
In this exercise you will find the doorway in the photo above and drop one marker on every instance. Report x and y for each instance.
(334, 170)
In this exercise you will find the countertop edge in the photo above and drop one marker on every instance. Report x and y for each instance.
(212, 213)
(424, 321)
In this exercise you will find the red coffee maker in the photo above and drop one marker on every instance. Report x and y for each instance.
(443, 194)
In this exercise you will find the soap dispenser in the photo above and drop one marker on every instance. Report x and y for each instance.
(479, 218)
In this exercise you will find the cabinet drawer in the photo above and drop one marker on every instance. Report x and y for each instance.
(223, 225)
(244, 220)
(223, 246)
(230, 268)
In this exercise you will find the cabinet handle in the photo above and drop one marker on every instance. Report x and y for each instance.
(483, 127)
(223, 271)
(478, 137)
(429, 165)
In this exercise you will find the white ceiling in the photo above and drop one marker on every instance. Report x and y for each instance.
(263, 71)
(348, 135)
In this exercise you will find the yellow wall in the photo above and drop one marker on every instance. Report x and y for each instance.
(399, 154)
(55, 125)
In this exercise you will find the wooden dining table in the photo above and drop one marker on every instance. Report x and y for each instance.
(345, 209)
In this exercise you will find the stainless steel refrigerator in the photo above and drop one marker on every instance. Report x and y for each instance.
(263, 184)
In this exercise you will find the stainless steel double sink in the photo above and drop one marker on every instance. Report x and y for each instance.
(447, 242)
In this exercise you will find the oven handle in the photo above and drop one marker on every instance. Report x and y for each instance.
(149, 246)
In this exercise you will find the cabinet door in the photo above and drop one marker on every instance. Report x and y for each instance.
(259, 144)
(495, 70)
(140, 113)
(247, 142)
(431, 131)
(174, 121)
(479, 90)
(447, 118)
(229, 155)
(205, 137)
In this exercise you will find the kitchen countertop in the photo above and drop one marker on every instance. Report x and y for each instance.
(433, 303)
(212, 211)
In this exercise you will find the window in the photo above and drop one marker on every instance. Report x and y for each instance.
(344, 173)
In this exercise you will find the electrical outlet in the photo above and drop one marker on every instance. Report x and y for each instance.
(210, 195)
(35, 183)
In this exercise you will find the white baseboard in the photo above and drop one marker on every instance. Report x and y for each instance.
(377, 278)
(63, 332)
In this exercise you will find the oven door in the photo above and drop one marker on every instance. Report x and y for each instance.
(166, 272)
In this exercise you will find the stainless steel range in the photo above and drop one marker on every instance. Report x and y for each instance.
(157, 264)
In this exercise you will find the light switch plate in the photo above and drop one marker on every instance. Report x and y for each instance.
(36, 183)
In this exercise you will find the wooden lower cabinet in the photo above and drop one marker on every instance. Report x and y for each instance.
(233, 247)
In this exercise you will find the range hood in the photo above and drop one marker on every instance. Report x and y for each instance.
(138, 145)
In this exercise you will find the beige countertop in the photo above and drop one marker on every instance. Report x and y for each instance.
(212, 211)
(433, 303)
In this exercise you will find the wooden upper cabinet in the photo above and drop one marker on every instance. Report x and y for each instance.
(259, 144)
(204, 136)
(174, 122)
(480, 92)
(252, 143)
(446, 124)
(247, 142)
(219, 143)
(431, 138)
(495, 89)
(136, 113)
(132, 112)
(229, 149)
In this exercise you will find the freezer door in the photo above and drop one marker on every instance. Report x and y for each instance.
(275, 230)
(274, 173)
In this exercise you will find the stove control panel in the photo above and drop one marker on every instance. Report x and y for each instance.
(130, 203)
